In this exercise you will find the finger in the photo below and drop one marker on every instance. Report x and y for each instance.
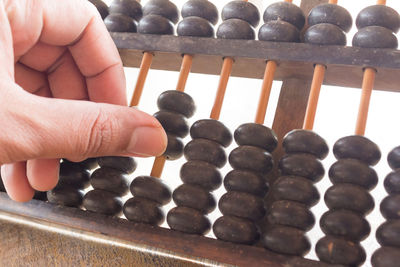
(16, 182)
(43, 173)
(32, 81)
(48, 54)
(6, 46)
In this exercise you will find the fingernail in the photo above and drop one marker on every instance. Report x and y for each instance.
(148, 141)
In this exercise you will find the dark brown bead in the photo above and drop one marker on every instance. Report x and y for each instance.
(200, 8)
(285, 11)
(163, 8)
(211, 130)
(124, 164)
(205, 150)
(39, 195)
(195, 197)
(174, 148)
(74, 175)
(350, 197)
(143, 210)
(336, 250)
(304, 141)
(65, 196)
(304, 165)
(375, 37)
(254, 134)
(357, 147)
(393, 158)
(291, 213)
(251, 158)
(388, 234)
(392, 182)
(390, 207)
(173, 122)
(296, 189)
(246, 181)
(242, 205)
(177, 101)
(151, 188)
(378, 15)
(119, 23)
(89, 163)
(353, 171)
(236, 29)
(236, 230)
(101, 7)
(332, 14)
(110, 180)
(155, 24)
(103, 202)
(130, 8)
(195, 26)
(286, 240)
(188, 220)
(278, 31)
(386, 257)
(325, 34)
(346, 224)
(241, 10)
(202, 174)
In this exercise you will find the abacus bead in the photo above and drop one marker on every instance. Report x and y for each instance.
(177, 101)
(155, 24)
(143, 210)
(246, 181)
(304, 141)
(350, 197)
(119, 23)
(173, 122)
(188, 220)
(378, 15)
(286, 240)
(336, 250)
(386, 257)
(236, 230)
(200, 8)
(231, 203)
(195, 197)
(296, 189)
(392, 182)
(251, 158)
(101, 7)
(124, 164)
(304, 165)
(241, 10)
(211, 130)
(163, 8)
(357, 147)
(205, 150)
(279, 31)
(353, 171)
(236, 29)
(151, 188)
(332, 14)
(104, 202)
(375, 37)
(325, 34)
(202, 174)
(291, 213)
(254, 134)
(390, 207)
(110, 180)
(393, 158)
(346, 224)
(73, 174)
(89, 163)
(388, 234)
(285, 11)
(195, 26)
(130, 8)
(65, 196)
(174, 148)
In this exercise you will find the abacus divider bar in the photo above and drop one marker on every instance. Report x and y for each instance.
(184, 72)
(158, 166)
(318, 78)
(366, 90)
(265, 91)
(144, 69)
(223, 82)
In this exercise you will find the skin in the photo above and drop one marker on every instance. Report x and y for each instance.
(57, 55)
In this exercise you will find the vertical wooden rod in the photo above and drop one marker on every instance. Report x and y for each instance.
(367, 85)
(158, 166)
(144, 69)
(184, 72)
(223, 82)
(265, 91)
(333, 2)
(290, 1)
(318, 78)
(381, 2)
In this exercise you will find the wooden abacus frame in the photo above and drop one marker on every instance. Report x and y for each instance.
(40, 233)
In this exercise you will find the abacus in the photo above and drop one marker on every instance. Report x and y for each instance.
(270, 187)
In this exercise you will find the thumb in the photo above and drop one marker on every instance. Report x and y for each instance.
(56, 128)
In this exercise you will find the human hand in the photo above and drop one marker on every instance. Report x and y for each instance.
(55, 55)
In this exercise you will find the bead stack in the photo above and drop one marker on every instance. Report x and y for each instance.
(124, 14)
